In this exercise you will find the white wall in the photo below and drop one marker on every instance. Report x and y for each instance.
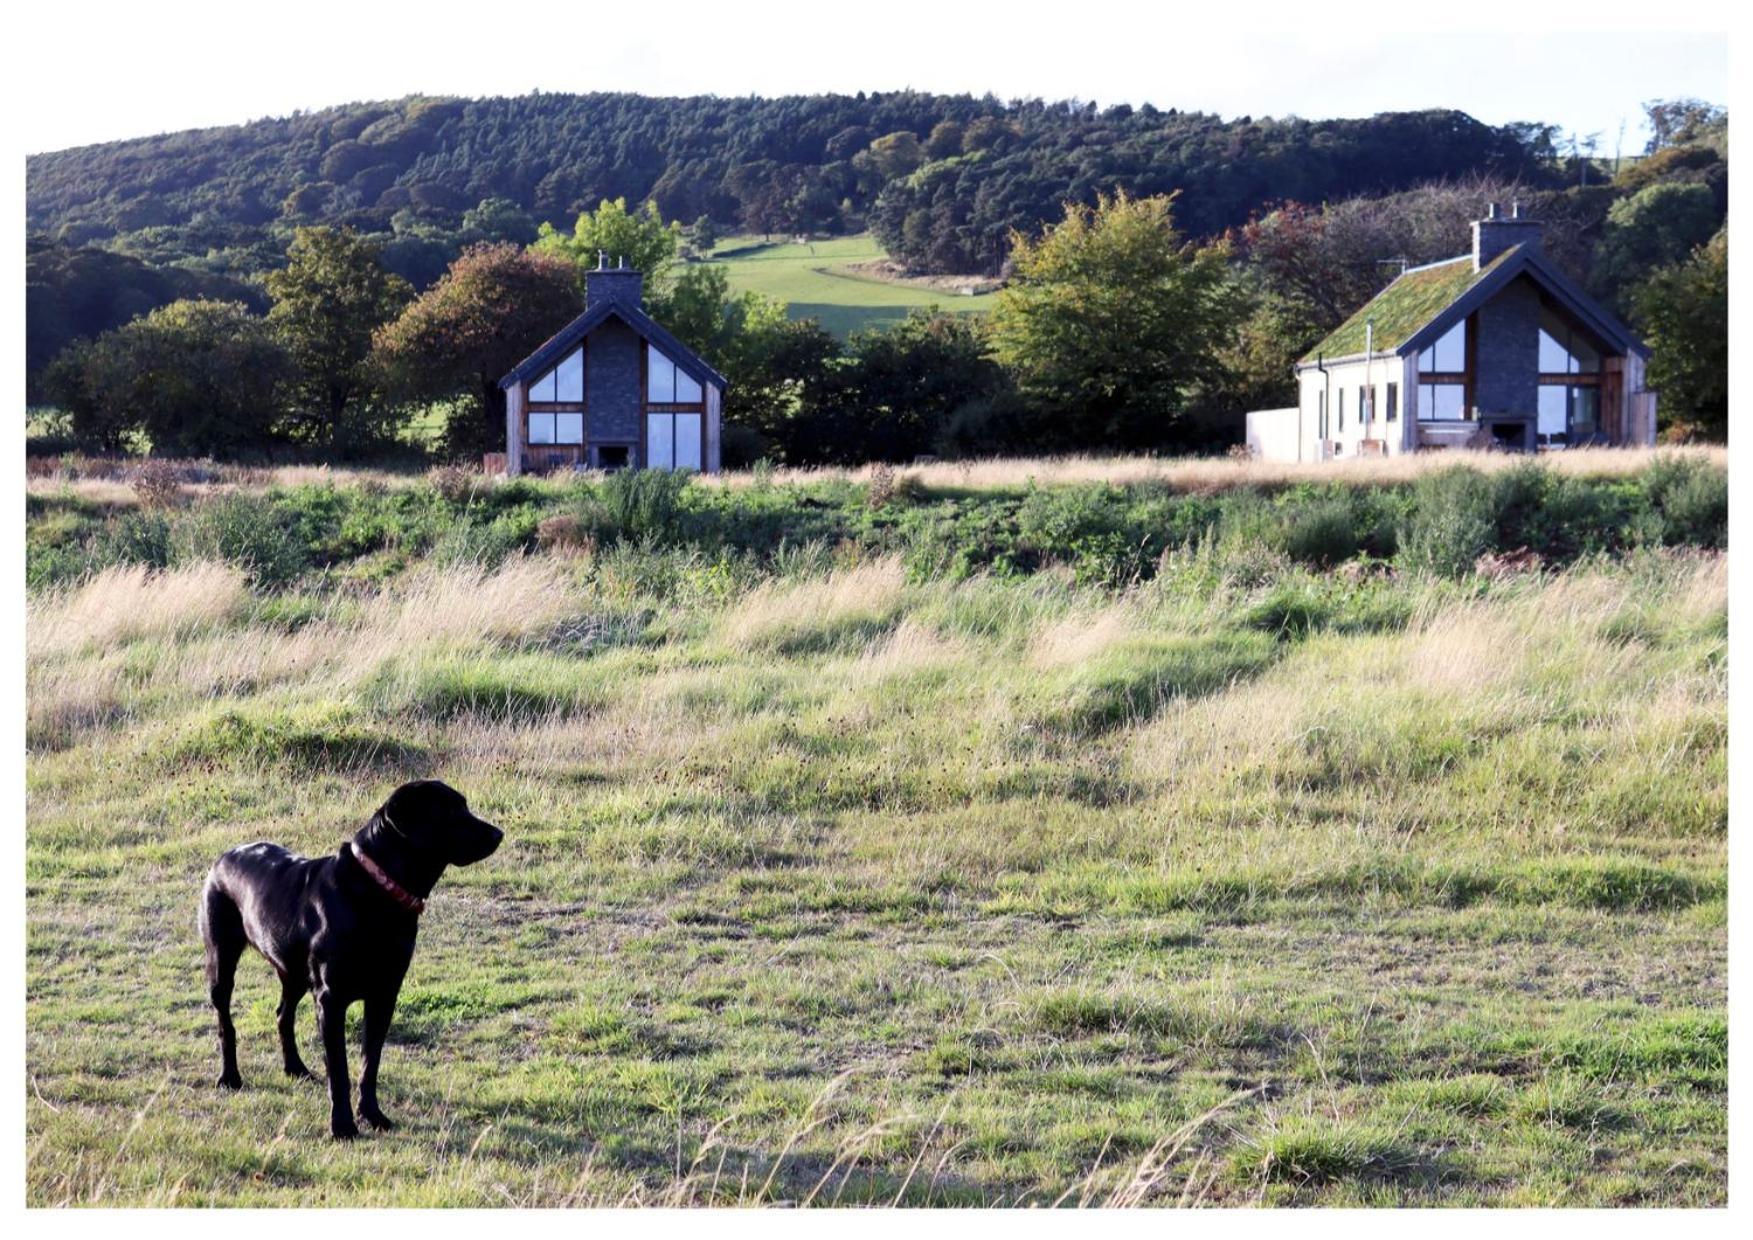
(1350, 378)
(1272, 434)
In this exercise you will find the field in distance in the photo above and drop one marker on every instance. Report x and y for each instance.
(822, 280)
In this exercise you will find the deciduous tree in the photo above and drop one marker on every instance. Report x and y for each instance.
(330, 297)
(197, 378)
(493, 308)
(1112, 321)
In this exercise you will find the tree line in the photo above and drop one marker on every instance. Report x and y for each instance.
(1118, 328)
(942, 179)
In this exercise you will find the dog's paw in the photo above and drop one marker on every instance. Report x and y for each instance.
(377, 1119)
(230, 1080)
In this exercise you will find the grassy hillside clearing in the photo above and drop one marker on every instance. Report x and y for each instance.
(817, 281)
(832, 880)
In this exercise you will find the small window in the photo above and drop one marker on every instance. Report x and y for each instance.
(556, 428)
(1392, 410)
(1320, 415)
(1366, 406)
(563, 384)
(1341, 411)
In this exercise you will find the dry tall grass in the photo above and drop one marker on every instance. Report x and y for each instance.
(123, 603)
(1223, 473)
(523, 596)
(777, 612)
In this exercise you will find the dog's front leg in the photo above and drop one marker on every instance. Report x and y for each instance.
(332, 1019)
(379, 1008)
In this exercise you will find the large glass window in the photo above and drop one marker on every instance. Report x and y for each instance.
(1444, 402)
(1563, 349)
(1448, 355)
(562, 385)
(668, 384)
(672, 441)
(556, 428)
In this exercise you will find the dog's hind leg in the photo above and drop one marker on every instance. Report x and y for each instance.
(222, 930)
(292, 988)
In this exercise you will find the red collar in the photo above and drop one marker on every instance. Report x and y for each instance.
(400, 894)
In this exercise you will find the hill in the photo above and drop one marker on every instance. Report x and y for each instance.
(941, 178)
(821, 280)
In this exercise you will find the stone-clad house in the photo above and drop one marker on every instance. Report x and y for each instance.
(613, 390)
(1496, 348)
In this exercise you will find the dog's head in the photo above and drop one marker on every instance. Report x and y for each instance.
(434, 818)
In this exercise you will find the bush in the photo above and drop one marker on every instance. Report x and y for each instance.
(638, 505)
(135, 538)
(245, 531)
(1452, 523)
(1323, 533)
(1692, 498)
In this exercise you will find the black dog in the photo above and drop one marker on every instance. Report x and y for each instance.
(341, 927)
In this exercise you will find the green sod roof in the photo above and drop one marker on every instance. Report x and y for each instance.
(1406, 305)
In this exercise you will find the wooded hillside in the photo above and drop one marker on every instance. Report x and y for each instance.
(941, 178)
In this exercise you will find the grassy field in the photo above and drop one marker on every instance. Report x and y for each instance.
(813, 278)
(831, 880)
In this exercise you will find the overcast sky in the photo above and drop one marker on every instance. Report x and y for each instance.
(140, 69)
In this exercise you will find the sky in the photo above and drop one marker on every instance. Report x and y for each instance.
(146, 69)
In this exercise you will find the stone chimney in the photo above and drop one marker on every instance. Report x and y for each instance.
(1497, 232)
(619, 283)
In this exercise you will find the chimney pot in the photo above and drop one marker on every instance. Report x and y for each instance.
(1491, 210)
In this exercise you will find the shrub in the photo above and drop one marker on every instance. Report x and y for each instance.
(157, 483)
(1323, 533)
(455, 484)
(1693, 499)
(640, 504)
(135, 538)
(1452, 523)
(243, 530)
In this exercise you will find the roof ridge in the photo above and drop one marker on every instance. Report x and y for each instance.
(1441, 262)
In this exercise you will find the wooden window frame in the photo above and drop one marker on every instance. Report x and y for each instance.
(671, 407)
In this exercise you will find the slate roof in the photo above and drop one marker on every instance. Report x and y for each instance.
(1426, 301)
(557, 345)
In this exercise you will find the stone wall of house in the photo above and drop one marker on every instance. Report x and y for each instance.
(1507, 353)
(612, 380)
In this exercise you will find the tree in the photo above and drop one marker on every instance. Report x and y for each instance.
(1684, 314)
(1658, 226)
(331, 296)
(499, 219)
(704, 234)
(640, 237)
(493, 308)
(196, 378)
(1676, 122)
(903, 385)
(896, 154)
(945, 140)
(1112, 321)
